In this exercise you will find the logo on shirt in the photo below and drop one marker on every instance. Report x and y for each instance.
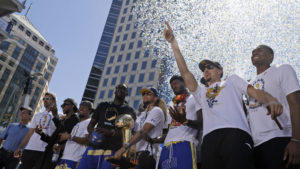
(111, 113)
(257, 84)
(212, 93)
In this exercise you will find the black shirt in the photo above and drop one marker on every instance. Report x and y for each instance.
(105, 116)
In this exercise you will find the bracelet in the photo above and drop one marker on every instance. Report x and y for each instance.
(185, 122)
(295, 140)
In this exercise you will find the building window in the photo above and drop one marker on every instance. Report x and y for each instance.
(21, 42)
(153, 64)
(151, 76)
(130, 18)
(123, 79)
(105, 82)
(136, 104)
(144, 65)
(16, 52)
(120, 29)
(131, 79)
(113, 81)
(46, 76)
(133, 35)
(140, 43)
(108, 70)
(127, 2)
(125, 68)
(28, 33)
(146, 53)
(110, 93)
(137, 55)
(41, 82)
(102, 93)
(128, 56)
(21, 27)
(4, 46)
(2, 58)
(114, 48)
(125, 11)
(4, 78)
(43, 57)
(138, 89)
(136, 24)
(34, 38)
(117, 39)
(127, 27)
(52, 61)
(123, 19)
(141, 77)
(122, 47)
(111, 59)
(134, 66)
(11, 63)
(129, 91)
(125, 37)
(131, 45)
(117, 69)
(47, 48)
(41, 43)
(38, 66)
(120, 58)
(50, 68)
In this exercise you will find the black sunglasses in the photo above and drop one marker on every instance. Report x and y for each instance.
(47, 98)
(66, 104)
(147, 93)
(209, 67)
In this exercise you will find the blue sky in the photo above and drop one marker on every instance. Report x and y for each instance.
(74, 29)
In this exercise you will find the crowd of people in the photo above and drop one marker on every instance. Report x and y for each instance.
(220, 124)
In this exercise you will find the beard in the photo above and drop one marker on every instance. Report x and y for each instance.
(81, 116)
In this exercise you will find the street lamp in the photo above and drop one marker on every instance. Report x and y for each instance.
(27, 85)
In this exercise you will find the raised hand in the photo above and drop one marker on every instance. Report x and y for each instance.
(168, 33)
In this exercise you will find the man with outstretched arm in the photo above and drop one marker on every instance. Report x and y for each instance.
(227, 141)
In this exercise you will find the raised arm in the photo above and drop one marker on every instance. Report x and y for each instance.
(188, 77)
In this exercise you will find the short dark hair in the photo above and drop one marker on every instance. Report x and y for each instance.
(176, 77)
(268, 48)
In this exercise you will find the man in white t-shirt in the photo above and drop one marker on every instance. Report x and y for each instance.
(151, 123)
(77, 140)
(275, 148)
(33, 152)
(227, 141)
(178, 151)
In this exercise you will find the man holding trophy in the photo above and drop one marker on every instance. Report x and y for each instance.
(106, 138)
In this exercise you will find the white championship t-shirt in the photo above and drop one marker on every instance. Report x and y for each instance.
(73, 151)
(154, 117)
(179, 132)
(222, 105)
(44, 119)
(279, 82)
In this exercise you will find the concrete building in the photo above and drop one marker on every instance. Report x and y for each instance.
(121, 58)
(25, 54)
(8, 7)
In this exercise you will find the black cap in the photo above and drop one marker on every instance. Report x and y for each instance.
(29, 109)
(87, 104)
(210, 62)
(72, 101)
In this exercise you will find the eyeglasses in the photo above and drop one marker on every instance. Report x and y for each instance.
(66, 104)
(47, 98)
(209, 67)
(146, 93)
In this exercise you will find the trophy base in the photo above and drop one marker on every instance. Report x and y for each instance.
(123, 162)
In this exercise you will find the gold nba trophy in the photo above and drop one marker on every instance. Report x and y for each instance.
(126, 123)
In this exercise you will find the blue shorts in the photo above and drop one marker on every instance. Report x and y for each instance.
(94, 158)
(66, 164)
(178, 155)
